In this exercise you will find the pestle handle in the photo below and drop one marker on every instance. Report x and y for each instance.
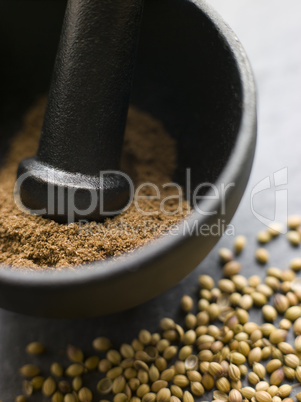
(86, 113)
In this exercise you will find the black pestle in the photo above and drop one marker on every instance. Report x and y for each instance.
(75, 174)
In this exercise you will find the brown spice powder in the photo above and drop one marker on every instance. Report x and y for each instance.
(149, 155)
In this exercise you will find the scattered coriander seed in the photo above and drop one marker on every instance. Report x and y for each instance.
(56, 369)
(164, 395)
(239, 244)
(263, 396)
(292, 313)
(74, 370)
(285, 390)
(264, 236)
(186, 303)
(70, 398)
(57, 397)
(176, 391)
(102, 344)
(181, 380)
(149, 397)
(248, 392)
(225, 255)
(269, 313)
(253, 378)
(20, 398)
(223, 384)
(235, 396)
(277, 377)
(231, 268)
(262, 255)
(35, 348)
(74, 354)
(275, 229)
(197, 388)
(293, 237)
(37, 382)
(85, 394)
(49, 386)
(29, 370)
(187, 397)
(157, 385)
(206, 282)
(295, 264)
(27, 387)
(293, 221)
(291, 360)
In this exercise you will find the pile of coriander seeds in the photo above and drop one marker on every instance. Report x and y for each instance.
(218, 354)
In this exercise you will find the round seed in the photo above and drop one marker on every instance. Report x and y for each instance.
(145, 337)
(279, 335)
(239, 244)
(206, 282)
(120, 398)
(273, 365)
(197, 388)
(35, 348)
(269, 313)
(20, 398)
(181, 380)
(225, 255)
(29, 370)
(275, 229)
(114, 357)
(293, 237)
(176, 391)
(293, 221)
(248, 392)
(237, 358)
(253, 378)
(49, 386)
(149, 397)
(186, 303)
(291, 360)
(74, 354)
(194, 376)
(104, 366)
(264, 236)
(187, 397)
(77, 383)
(231, 268)
(91, 363)
(57, 397)
(37, 382)
(295, 264)
(56, 369)
(74, 370)
(292, 313)
(263, 396)
(102, 344)
(262, 255)
(157, 385)
(285, 390)
(297, 343)
(223, 384)
(277, 377)
(85, 395)
(227, 286)
(163, 395)
(235, 396)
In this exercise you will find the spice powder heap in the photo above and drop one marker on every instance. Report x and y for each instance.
(149, 155)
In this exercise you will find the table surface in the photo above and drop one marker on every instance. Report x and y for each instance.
(270, 31)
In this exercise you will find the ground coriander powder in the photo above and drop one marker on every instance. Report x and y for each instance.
(149, 155)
